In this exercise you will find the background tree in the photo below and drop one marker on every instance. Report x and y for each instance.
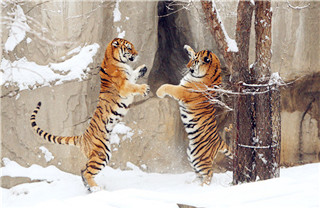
(256, 104)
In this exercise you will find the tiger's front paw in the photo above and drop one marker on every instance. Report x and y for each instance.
(142, 71)
(161, 92)
(145, 90)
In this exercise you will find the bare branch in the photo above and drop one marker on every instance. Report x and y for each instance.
(169, 7)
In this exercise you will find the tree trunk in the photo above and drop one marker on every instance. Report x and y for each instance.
(257, 146)
(263, 16)
(257, 104)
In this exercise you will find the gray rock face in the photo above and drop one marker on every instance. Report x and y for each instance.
(157, 142)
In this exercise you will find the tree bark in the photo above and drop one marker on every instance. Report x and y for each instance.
(240, 71)
(263, 17)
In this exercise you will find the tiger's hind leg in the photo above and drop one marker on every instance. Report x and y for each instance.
(95, 164)
(207, 178)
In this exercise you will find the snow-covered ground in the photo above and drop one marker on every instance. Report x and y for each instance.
(297, 187)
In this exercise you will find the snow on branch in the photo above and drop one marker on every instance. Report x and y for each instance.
(226, 46)
(232, 45)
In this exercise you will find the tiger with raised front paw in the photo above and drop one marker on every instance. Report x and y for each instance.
(116, 94)
(197, 110)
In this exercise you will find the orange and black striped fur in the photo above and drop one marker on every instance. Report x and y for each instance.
(198, 111)
(116, 94)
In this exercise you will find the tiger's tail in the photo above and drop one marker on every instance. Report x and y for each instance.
(73, 140)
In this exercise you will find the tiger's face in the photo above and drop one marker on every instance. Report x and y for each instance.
(123, 50)
(202, 63)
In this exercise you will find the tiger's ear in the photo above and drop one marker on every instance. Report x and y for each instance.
(115, 43)
(190, 51)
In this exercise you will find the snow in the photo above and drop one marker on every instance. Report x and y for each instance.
(29, 40)
(120, 129)
(121, 34)
(296, 187)
(232, 44)
(47, 154)
(116, 12)
(26, 74)
(133, 167)
(276, 79)
(18, 29)
(117, 18)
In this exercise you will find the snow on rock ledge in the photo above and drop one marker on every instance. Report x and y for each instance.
(28, 75)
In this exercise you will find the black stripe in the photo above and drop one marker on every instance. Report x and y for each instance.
(124, 105)
(196, 150)
(59, 140)
(106, 91)
(90, 172)
(94, 120)
(33, 124)
(103, 164)
(116, 113)
(95, 167)
(49, 137)
(105, 80)
(102, 70)
(216, 79)
(189, 125)
(106, 147)
(105, 100)
(118, 104)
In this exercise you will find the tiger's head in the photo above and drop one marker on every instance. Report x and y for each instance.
(121, 50)
(203, 63)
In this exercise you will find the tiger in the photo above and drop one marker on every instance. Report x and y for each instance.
(116, 94)
(197, 111)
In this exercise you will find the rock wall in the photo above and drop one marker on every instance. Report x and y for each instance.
(158, 141)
